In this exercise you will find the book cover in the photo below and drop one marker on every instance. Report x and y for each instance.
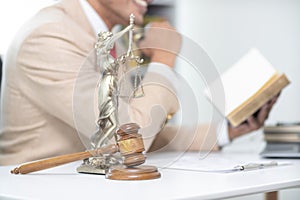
(282, 137)
(282, 129)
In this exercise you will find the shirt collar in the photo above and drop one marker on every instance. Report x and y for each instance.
(95, 20)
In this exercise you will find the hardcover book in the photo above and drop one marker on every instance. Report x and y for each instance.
(248, 85)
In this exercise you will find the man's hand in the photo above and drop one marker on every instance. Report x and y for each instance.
(254, 122)
(161, 43)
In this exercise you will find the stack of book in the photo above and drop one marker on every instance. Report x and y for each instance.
(282, 140)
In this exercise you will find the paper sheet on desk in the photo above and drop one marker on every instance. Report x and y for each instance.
(216, 163)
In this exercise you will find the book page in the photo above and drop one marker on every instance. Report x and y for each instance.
(243, 80)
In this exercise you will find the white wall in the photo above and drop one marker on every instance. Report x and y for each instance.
(227, 29)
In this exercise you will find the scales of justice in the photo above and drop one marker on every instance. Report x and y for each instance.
(121, 159)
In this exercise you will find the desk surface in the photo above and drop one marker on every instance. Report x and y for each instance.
(64, 182)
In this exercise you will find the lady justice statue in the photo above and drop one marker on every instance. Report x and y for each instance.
(108, 95)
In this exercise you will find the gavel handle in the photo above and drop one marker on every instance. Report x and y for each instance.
(60, 160)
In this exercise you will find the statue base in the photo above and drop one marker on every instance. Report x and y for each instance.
(89, 169)
(97, 165)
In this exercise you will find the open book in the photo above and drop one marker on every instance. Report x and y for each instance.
(248, 85)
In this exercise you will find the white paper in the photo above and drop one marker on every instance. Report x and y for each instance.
(205, 162)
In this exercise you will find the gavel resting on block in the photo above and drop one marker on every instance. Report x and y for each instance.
(130, 145)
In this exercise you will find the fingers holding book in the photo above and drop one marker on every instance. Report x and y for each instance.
(254, 122)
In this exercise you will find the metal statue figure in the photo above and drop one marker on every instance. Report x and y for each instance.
(108, 93)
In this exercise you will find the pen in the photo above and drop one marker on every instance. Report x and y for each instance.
(252, 166)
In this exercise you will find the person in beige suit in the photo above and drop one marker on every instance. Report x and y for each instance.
(41, 75)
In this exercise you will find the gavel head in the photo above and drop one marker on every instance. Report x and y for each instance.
(131, 145)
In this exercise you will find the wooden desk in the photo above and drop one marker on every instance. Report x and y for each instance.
(65, 183)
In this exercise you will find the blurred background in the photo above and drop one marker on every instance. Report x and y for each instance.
(226, 30)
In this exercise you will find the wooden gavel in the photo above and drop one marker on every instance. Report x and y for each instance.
(130, 144)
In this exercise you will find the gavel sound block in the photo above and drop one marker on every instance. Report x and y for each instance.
(130, 145)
